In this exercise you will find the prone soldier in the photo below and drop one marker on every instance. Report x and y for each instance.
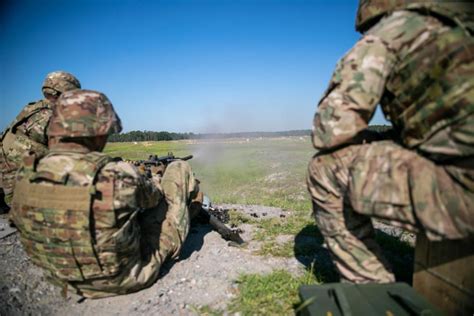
(27, 133)
(97, 225)
(415, 59)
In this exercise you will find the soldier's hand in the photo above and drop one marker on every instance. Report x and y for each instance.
(142, 169)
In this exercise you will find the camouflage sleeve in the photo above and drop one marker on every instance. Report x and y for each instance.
(131, 189)
(353, 93)
(35, 127)
(358, 82)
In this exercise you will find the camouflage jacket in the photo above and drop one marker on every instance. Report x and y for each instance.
(27, 133)
(78, 218)
(421, 71)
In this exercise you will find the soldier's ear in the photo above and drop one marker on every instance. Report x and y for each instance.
(51, 94)
(51, 97)
(100, 142)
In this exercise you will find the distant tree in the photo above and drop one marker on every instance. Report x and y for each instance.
(139, 136)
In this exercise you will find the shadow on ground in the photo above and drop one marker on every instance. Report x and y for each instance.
(310, 251)
(193, 243)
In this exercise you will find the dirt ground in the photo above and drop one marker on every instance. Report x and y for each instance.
(204, 275)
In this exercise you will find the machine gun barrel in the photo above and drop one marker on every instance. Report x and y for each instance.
(222, 229)
(156, 160)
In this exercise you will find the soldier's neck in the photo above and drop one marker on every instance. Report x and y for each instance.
(70, 147)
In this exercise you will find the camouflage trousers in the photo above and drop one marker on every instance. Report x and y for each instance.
(163, 232)
(387, 182)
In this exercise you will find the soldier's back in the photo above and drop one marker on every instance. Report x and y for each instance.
(78, 218)
(25, 135)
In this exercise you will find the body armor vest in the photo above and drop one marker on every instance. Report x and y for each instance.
(460, 12)
(67, 220)
(429, 96)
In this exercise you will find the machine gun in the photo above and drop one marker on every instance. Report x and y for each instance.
(205, 210)
(209, 214)
(158, 161)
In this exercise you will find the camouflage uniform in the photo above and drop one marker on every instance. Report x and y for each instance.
(417, 60)
(95, 224)
(27, 133)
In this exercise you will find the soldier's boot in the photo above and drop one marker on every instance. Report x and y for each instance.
(199, 208)
(4, 208)
(196, 204)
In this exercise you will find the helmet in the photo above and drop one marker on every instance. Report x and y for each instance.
(58, 82)
(83, 113)
(370, 11)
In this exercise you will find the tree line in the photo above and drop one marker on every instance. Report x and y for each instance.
(139, 136)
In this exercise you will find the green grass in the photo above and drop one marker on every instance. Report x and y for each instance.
(272, 294)
(262, 171)
(206, 311)
(237, 218)
(268, 229)
(141, 150)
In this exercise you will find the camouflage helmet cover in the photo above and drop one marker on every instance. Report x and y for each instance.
(83, 113)
(60, 81)
(370, 11)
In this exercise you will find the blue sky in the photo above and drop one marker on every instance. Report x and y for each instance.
(184, 66)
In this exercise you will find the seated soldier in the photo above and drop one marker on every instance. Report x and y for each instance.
(415, 58)
(27, 133)
(95, 224)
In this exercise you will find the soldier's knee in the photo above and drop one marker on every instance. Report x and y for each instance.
(320, 169)
(179, 174)
(321, 178)
(179, 167)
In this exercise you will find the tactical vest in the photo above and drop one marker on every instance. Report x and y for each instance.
(69, 226)
(431, 90)
(460, 12)
(13, 139)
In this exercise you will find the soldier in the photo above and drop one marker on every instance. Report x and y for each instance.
(415, 59)
(27, 133)
(95, 224)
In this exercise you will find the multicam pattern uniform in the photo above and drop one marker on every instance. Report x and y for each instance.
(96, 225)
(119, 244)
(422, 73)
(26, 134)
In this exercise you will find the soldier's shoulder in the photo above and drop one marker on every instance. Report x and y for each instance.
(41, 107)
(36, 105)
(120, 170)
(403, 25)
(57, 163)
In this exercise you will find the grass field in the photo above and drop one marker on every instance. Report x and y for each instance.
(263, 171)
(254, 171)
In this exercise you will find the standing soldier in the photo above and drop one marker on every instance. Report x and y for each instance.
(27, 133)
(415, 58)
(96, 225)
